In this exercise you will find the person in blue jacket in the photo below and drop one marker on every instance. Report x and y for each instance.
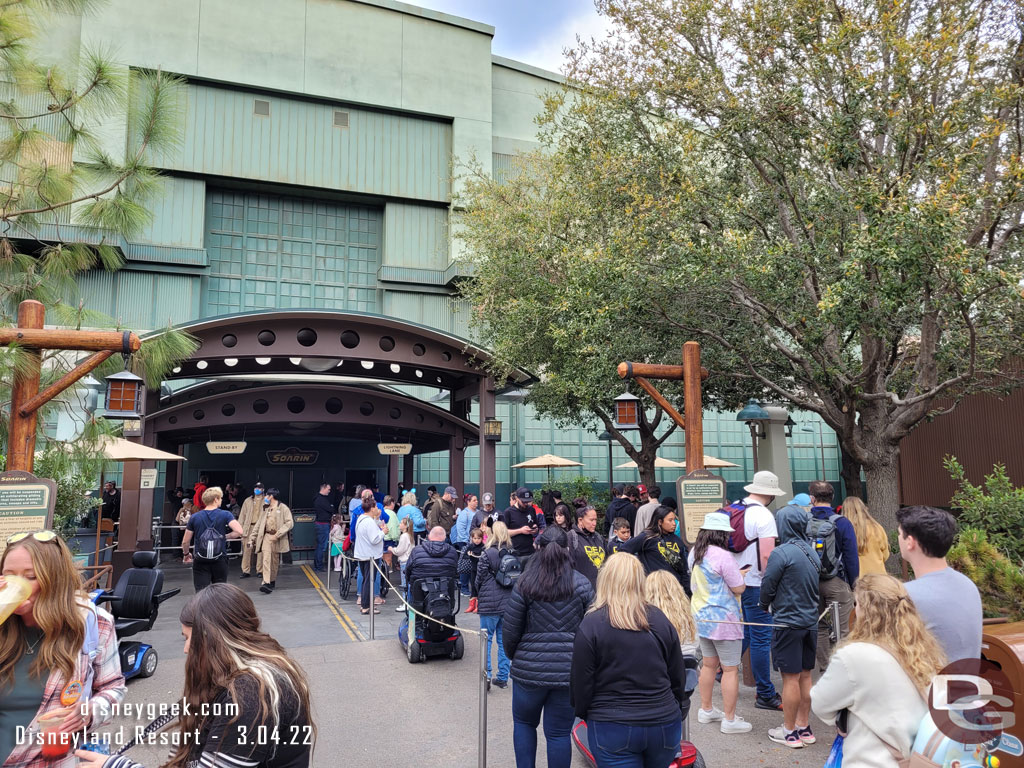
(839, 588)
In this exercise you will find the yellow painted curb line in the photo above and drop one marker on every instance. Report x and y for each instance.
(335, 607)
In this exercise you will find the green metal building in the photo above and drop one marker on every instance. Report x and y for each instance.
(323, 142)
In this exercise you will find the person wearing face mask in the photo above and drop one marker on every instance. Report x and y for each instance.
(58, 653)
(271, 535)
(252, 508)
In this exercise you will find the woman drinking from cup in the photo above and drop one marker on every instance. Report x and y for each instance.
(58, 656)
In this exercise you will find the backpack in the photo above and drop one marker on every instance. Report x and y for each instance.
(509, 569)
(737, 512)
(211, 544)
(822, 536)
(437, 602)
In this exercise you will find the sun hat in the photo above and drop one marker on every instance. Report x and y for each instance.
(765, 483)
(716, 521)
(801, 500)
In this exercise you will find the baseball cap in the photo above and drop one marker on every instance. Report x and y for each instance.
(642, 488)
(450, 490)
(619, 488)
(524, 494)
(801, 500)
(488, 499)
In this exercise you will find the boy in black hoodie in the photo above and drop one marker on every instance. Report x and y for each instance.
(789, 589)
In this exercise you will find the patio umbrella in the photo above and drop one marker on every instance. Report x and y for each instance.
(548, 461)
(660, 463)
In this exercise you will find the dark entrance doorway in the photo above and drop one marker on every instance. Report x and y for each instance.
(354, 477)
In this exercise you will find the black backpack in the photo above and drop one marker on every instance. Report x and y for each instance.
(822, 536)
(437, 602)
(510, 568)
(211, 544)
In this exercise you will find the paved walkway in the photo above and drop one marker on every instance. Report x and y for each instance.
(374, 709)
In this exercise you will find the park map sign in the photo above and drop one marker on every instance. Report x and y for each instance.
(26, 503)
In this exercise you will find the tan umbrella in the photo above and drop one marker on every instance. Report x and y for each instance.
(548, 461)
(660, 463)
(119, 449)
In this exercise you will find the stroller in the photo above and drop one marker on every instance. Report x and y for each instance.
(688, 757)
(439, 599)
(134, 603)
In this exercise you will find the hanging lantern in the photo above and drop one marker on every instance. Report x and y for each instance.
(627, 411)
(124, 396)
(492, 430)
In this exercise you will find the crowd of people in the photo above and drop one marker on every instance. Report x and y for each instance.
(568, 610)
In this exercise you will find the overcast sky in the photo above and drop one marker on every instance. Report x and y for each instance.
(532, 31)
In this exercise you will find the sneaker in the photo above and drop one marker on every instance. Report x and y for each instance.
(736, 725)
(266, 589)
(711, 716)
(399, 609)
(805, 735)
(773, 703)
(499, 683)
(781, 736)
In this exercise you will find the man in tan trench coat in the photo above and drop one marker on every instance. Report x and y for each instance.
(252, 509)
(270, 537)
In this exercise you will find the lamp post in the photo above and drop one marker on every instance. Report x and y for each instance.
(821, 442)
(26, 399)
(607, 437)
(753, 415)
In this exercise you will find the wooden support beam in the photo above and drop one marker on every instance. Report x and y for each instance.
(649, 371)
(124, 342)
(65, 381)
(21, 433)
(659, 398)
(694, 406)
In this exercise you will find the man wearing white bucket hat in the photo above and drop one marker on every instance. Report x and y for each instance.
(760, 531)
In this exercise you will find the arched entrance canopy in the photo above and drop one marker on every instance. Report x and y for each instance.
(337, 343)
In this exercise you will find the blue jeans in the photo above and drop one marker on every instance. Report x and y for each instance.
(492, 622)
(323, 532)
(622, 745)
(528, 702)
(359, 582)
(759, 641)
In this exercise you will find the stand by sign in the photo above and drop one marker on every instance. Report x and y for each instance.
(26, 502)
(394, 449)
(699, 493)
(226, 446)
(292, 457)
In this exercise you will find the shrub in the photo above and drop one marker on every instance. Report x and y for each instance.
(997, 508)
(999, 580)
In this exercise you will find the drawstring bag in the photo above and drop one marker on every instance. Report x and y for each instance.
(835, 755)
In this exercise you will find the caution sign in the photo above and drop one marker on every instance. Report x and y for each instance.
(699, 493)
(26, 502)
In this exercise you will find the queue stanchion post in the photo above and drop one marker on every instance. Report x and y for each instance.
(481, 760)
(373, 593)
(834, 608)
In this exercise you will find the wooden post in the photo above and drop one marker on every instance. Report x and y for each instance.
(694, 406)
(21, 439)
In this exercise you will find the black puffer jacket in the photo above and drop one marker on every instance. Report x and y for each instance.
(492, 598)
(432, 559)
(620, 507)
(538, 636)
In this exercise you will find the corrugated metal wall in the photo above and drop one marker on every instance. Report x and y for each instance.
(981, 432)
(141, 300)
(177, 214)
(298, 143)
(415, 236)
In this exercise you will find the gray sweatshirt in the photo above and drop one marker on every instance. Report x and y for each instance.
(790, 582)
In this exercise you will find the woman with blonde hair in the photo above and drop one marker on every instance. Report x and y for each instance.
(58, 653)
(632, 710)
(872, 541)
(240, 685)
(492, 597)
(409, 509)
(662, 590)
(880, 676)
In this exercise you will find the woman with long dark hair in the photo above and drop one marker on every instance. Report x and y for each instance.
(561, 517)
(717, 583)
(660, 549)
(242, 675)
(547, 605)
(58, 653)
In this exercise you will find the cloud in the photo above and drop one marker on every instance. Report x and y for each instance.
(548, 51)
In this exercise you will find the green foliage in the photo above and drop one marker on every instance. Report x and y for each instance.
(996, 507)
(999, 580)
(829, 195)
(580, 486)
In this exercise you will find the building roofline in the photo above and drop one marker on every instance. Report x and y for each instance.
(432, 15)
(529, 69)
